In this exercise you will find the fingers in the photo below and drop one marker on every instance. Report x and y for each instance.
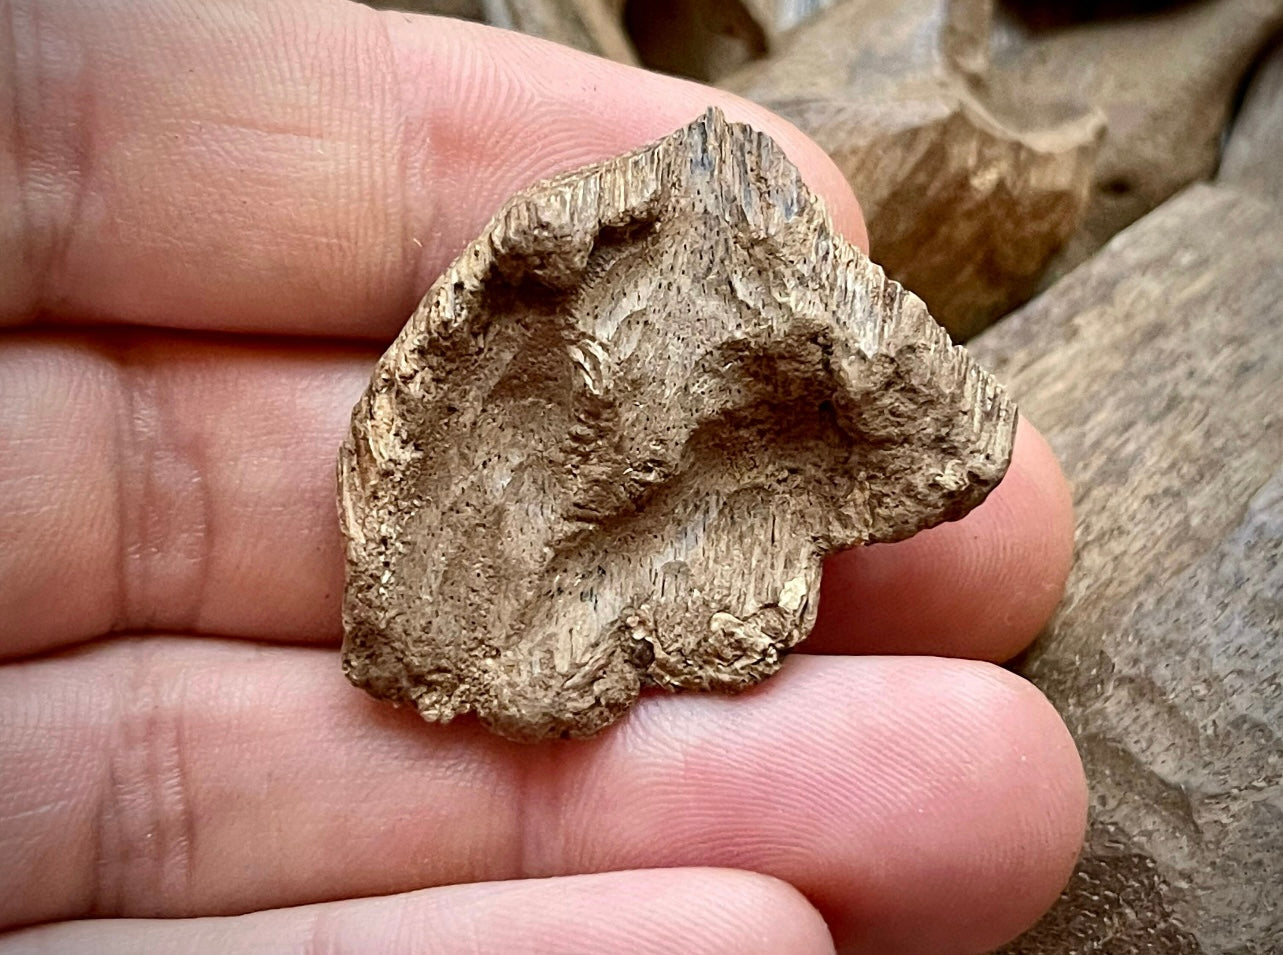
(173, 778)
(177, 483)
(304, 166)
(657, 911)
(172, 484)
(981, 587)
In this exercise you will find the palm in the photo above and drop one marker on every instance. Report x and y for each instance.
(179, 741)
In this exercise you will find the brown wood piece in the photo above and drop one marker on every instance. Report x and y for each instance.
(615, 442)
(1166, 81)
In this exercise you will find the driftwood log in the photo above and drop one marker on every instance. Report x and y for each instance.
(966, 200)
(614, 444)
(1156, 371)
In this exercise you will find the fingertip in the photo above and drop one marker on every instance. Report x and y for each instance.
(982, 587)
(695, 909)
(640, 912)
(980, 805)
(922, 804)
(779, 918)
(1036, 776)
(1024, 812)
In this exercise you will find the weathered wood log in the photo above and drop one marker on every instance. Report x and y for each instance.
(1254, 156)
(614, 444)
(1156, 371)
(1166, 81)
(965, 202)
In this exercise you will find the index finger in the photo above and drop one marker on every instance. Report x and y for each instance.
(300, 167)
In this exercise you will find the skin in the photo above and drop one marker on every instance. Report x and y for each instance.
(215, 217)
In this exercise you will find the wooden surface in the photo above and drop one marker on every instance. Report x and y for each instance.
(1253, 159)
(1156, 371)
(614, 444)
(965, 205)
(1165, 79)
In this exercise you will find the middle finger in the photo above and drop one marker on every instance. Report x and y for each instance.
(909, 798)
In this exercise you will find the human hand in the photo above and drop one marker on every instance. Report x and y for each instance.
(216, 216)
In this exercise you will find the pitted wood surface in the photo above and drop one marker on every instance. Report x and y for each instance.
(615, 442)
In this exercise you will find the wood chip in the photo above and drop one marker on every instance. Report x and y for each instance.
(616, 440)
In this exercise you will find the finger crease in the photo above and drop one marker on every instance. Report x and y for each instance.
(164, 546)
(51, 147)
(145, 829)
(20, 272)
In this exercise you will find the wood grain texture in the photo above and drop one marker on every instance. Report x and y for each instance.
(613, 445)
(1156, 372)
(966, 200)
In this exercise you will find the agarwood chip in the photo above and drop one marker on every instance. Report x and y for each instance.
(616, 440)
